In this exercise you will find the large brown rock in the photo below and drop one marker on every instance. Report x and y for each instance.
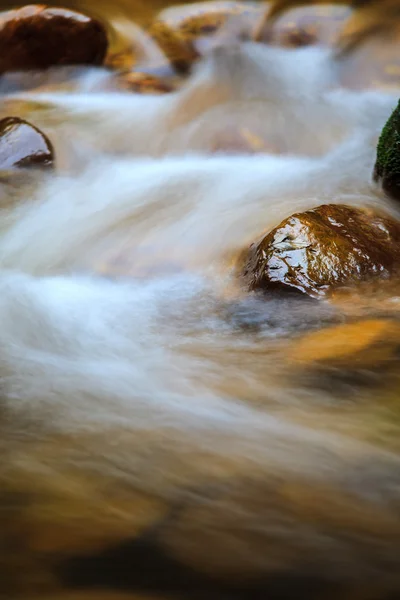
(38, 37)
(319, 250)
(23, 145)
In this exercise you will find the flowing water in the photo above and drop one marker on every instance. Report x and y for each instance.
(131, 352)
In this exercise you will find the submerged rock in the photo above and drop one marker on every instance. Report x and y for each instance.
(364, 344)
(378, 298)
(188, 31)
(387, 165)
(177, 47)
(321, 249)
(38, 37)
(360, 353)
(203, 19)
(144, 83)
(23, 145)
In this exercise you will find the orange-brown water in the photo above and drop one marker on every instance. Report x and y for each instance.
(128, 333)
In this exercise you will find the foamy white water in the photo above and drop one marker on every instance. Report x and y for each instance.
(166, 374)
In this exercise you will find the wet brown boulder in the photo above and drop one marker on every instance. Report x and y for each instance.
(38, 37)
(316, 251)
(23, 145)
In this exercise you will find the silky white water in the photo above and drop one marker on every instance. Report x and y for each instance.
(125, 328)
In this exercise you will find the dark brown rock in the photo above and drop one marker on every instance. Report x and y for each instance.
(322, 249)
(38, 37)
(23, 145)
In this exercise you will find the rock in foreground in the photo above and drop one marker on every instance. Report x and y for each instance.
(321, 249)
(23, 145)
(38, 37)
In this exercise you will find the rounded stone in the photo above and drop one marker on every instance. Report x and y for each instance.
(318, 250)
(23, 145)
(38, 37)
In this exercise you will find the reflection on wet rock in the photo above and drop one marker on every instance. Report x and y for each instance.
(330, 246)
(23, 145)
(38, 37)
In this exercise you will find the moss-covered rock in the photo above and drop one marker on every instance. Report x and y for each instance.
(387, 165)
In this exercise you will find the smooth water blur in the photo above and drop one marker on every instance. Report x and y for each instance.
(143, 202)
(145, 393)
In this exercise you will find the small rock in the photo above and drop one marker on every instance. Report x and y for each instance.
(38, 37)
(304, 25)
(316, 251)
(23, 145)
(144, 83)
(387, 165)
(200, 19)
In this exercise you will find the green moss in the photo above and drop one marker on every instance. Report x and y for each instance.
(388, 150)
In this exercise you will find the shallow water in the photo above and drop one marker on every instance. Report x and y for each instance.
(124, 316)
